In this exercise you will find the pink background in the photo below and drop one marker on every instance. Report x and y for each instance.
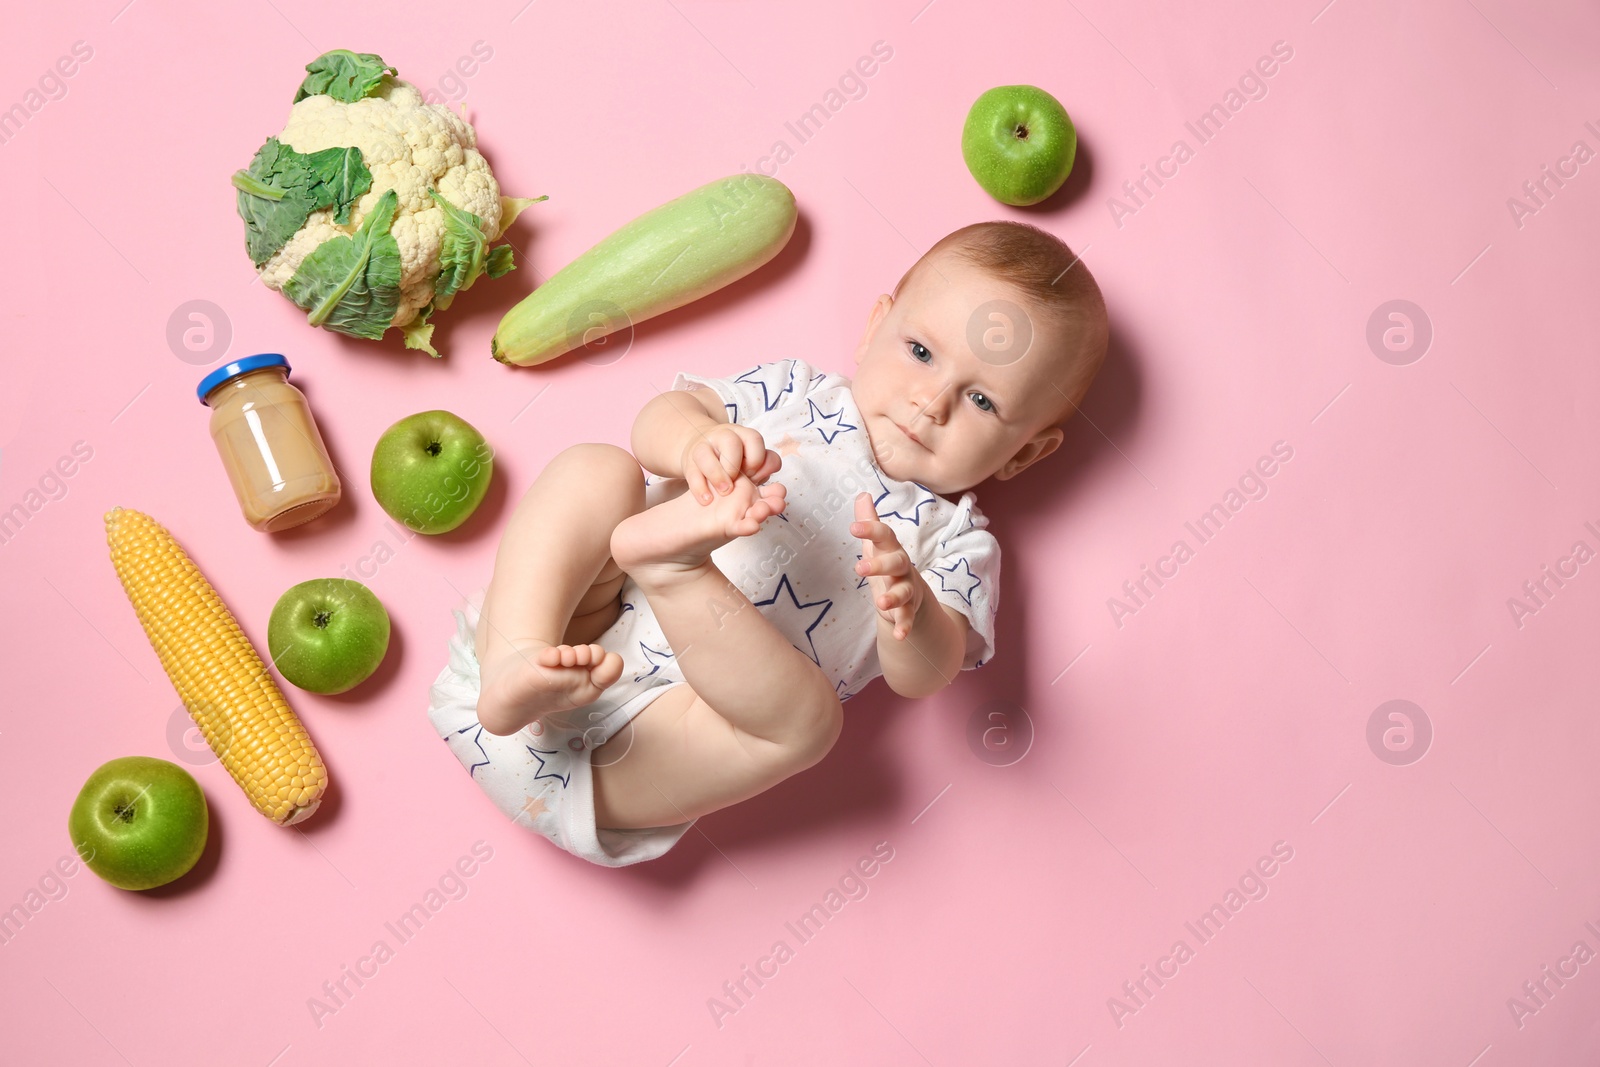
(1228, 714)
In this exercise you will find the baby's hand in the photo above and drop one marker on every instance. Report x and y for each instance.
(720, 454)
(898, 594)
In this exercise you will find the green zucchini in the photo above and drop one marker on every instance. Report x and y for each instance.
(665, 258)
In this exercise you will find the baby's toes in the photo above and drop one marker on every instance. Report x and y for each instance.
(770, 465)
(768, 504)
(607, 669)
(576, 655)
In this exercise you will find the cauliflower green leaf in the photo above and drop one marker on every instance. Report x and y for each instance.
(418, 333)
(344, 75)
(464, 257)
(342, 178)
(463, 252)
(352, 284)
(283, 187)
(500, 261)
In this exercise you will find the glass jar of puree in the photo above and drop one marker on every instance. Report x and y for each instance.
(269, 443)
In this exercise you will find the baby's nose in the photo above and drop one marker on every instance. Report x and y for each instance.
(936, 406)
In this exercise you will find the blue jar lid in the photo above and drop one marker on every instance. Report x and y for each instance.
(238, 367)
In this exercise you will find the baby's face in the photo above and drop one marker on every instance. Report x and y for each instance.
(936, 412)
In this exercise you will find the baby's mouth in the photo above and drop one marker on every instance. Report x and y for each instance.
(907, 434)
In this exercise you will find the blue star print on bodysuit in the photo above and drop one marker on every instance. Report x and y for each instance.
(653, 656)
(794, 602)
(764, 378)
(955, 578)
(540, 754)
(924, 498)
(826, 420)
(477, 733)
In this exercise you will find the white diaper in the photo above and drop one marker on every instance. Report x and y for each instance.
(541, 776)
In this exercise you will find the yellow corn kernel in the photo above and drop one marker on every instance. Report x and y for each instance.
(216, 671)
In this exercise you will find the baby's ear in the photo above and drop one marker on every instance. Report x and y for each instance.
(880, 311)
(1038, 446)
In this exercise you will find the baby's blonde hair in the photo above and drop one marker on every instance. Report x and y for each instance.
(1053, 281)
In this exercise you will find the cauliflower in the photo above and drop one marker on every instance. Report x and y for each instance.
(372, 209)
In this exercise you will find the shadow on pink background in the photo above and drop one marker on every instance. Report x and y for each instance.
(1150, 751)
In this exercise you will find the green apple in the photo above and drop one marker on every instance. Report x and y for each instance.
(139, 822)
(431, 470)
(328, 635)
(1019, 143)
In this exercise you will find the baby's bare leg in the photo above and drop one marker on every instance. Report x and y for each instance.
(554, 582)
(731, 656)
(755, 711)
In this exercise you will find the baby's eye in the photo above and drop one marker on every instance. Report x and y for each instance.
(983, 402)
(918, 351)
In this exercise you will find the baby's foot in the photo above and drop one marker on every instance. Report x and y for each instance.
(533, 679)
(675, 539)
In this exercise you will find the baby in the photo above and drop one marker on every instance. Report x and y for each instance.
(656, 646)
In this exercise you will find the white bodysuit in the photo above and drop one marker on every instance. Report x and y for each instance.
(798, 570)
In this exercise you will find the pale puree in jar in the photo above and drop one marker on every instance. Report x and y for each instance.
(269, 443)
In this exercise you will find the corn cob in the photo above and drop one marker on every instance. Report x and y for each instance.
(216, 671)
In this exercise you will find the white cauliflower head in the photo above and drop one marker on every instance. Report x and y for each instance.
(446, 211)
